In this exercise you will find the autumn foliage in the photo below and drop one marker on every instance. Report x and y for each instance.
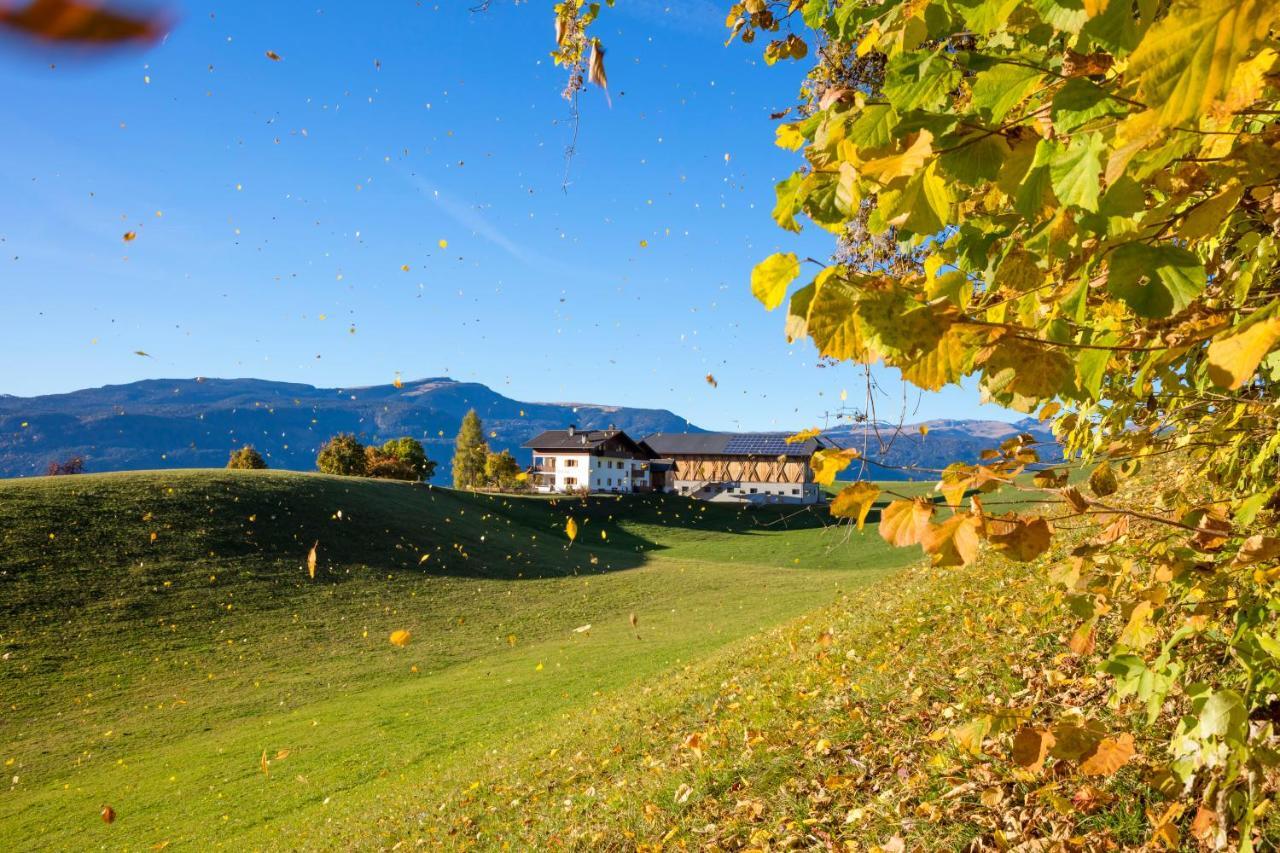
(1074, 208)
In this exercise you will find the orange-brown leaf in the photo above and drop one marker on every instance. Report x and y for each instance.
(904, 523)
(1110, 755)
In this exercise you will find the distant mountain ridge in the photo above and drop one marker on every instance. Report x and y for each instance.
(195, 423)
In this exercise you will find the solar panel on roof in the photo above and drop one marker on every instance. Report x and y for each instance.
(757, 445)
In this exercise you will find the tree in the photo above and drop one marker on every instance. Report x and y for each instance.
(1074, 207)
(247, 457)
(470, 453)
(70, 465)
(409, 451)
(501, 470)
(344, 455)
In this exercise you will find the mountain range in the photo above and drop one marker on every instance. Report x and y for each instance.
(195, 423)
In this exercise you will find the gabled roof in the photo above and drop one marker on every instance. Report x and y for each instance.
(584, 440)
(670, 444)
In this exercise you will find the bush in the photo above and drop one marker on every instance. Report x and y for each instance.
(379, 463)
(409, 452)
(500, 471)
(342, 455)
(246, 458)
(70, 465)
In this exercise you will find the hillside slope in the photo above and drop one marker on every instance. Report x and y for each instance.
(165, 651)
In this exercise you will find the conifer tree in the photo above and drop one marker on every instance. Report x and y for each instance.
(470, 453)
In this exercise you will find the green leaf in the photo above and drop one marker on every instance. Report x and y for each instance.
(772, 276)
(1155, 281)
(873, 128)
(986, 16)
(1075, 171)
(789, 199)
(1066, 16)
(920, 80)
(999, 90)
(1079, 102)
(975, 161)
(1034, 193)
(922, 206)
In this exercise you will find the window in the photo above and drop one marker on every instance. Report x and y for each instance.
(753, 491)
(795, 491)
(609, 482)
(571, 481)
(571, 463)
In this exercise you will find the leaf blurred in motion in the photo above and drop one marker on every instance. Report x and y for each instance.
(72, 21)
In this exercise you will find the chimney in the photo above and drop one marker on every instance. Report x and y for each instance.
(572, 429)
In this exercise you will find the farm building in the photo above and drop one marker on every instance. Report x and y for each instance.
(739, 467)
(716, 466)
(596, 460)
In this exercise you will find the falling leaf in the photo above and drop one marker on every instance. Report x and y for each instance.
(400, 638)
(644, 244)
(77, 21)
(583, 629)
(571, 529)
(266, 770)
(711, 380)
(924, 429)
(143, 354)
(404, 267)
(511, 640)
(444, 244)
(397, 382)
(803, 436)
(130, 236)
(595, 68)
(1110, 755)
(108, 814)
(273, 56)
(1031, 745)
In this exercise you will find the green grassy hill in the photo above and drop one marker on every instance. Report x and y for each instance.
(161, 638)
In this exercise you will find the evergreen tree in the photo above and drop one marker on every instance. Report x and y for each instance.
(470, 453)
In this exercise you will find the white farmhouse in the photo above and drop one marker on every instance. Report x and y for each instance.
(595, 460)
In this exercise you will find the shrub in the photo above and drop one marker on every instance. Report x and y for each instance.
(387, 466)
(343, 455)
(501, 470)
(70, 465)
(246, 458)
(409, 452)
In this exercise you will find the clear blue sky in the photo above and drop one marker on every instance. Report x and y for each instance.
(267, 195)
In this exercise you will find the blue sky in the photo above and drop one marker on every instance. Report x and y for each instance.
(276, 202)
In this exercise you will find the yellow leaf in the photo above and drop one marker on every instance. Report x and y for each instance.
(803, 435)
(311, 560)
(130, 236)
(1234, 357)
(855, 502)
(952, 543)
(832, 321)
(903, 523)
(444, 244)
(1187, 60)
(1110, 755)
(903, 164)
(1020, 539)
(266, 770)
(571, 529)
(829, 461)
(788, 136)
(772, 276)
(400, 638)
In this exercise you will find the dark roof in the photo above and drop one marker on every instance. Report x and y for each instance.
(580, 439)
(731, 444)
